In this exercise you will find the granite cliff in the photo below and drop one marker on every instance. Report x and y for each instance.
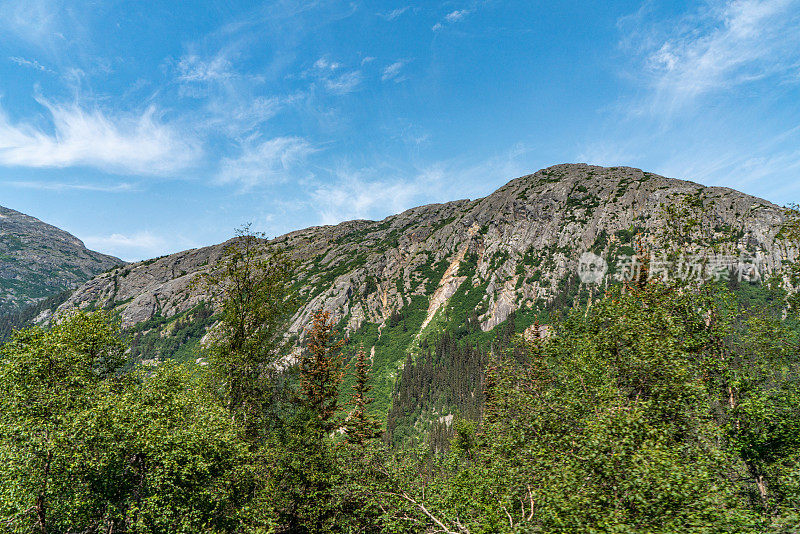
(516, 246)
(38, 260)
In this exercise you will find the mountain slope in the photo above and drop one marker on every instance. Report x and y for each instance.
(38, 260)
(396, 282)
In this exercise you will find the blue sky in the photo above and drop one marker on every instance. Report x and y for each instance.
(150, 127)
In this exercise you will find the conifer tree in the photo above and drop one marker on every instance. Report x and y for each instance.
(321, 369)
(361, 427)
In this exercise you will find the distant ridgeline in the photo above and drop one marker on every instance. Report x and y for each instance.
(38, 261)
(25, 317)
(436, 292)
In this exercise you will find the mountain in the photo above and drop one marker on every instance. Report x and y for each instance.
(465, 266)
(38, 260)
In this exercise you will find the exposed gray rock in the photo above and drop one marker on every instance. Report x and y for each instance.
(38, 260)
(524, 239)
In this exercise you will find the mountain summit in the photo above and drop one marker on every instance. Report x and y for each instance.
(518, 245)
(467, 265)
(38, 260)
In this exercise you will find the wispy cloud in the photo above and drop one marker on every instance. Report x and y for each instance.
(374, 193)
(265, 162)
(119, 143)
(451, 18)
(346, 83)
(193, 68)
(760, 162)
(395, 13)
(129, 247)
(30, 63)
(239, 117)
(324, 63)
(457, 15)
(722, 46)
(36, 21)
(213, 76)
(331, 76)
(61, 186)
(59, 30)
(358, 195)
(714, 83)
(231, 102)
(392, 72)
(763, 168)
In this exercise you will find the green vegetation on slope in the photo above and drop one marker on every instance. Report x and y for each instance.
(659, 408)
(656, 407)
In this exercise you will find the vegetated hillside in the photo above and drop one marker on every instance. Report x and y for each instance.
(462, 267)
(38, 260)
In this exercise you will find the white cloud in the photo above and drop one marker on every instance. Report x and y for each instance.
(264, 163)
(325, 71)
(395, 13)
(392, 71)
(258, 110)
(123, 143)
(325, 64)
(457, 15)
(346, 83)
(765, 167)
(451, 18)
(715, 79)
(192, 68)
(723, 46)
(36, 21)
(357, 195)
(239, 117)
(60, 186)
(30, 63)
(231, 102)
(368, 194)
(131, 247)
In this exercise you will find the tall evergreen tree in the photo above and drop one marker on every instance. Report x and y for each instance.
(360, 427)
(321, 370)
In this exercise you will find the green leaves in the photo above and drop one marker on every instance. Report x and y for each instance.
(83, 447)
(658, 409)
(243, 349)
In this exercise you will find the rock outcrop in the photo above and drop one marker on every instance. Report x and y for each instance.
(38, 260)
(516, 246)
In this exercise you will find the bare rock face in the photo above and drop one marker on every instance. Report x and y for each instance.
(165, 286)
(38, 260)
(517, 246)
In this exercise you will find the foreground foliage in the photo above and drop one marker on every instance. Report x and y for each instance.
(84, 448)
(660, 408)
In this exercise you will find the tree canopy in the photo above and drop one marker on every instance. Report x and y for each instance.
(658, 407)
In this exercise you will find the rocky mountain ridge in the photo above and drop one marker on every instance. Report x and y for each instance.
(465, 266)
(38, 260)
(518, 244)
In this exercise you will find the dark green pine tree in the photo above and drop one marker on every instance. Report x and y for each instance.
(321, 370)
(360, 427)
